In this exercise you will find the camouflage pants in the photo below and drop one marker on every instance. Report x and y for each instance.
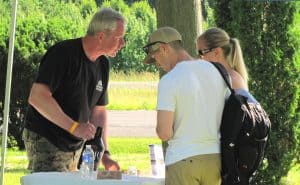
(44, 156)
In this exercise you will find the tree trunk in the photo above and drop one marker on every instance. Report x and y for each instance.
(186, 17)
(183, 15)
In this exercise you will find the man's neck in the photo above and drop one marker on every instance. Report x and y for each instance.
(91, 48)
(183, 56)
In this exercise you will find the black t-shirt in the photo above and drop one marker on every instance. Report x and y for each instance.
(76, 83)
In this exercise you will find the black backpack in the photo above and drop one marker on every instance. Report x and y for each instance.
(244, 131)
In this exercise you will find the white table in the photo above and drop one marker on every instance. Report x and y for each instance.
(73, 178)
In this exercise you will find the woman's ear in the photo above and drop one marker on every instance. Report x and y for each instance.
(218, 52)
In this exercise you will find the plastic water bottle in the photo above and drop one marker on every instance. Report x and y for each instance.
(87, 165)
(157, 160)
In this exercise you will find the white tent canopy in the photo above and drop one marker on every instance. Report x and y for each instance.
(7, 87)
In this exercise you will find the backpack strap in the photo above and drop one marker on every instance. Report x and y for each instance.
(231, 173)
(224, 74)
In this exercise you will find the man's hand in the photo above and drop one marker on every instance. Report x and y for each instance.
(85, 131)
(110, 164)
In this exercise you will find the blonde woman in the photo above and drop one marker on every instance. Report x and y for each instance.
(215, 45)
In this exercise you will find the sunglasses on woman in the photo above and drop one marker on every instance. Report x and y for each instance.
(202, 52)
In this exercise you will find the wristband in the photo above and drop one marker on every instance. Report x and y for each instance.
(106, 152)
(73, 127)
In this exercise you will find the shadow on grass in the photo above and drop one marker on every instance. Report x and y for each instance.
(17, 170)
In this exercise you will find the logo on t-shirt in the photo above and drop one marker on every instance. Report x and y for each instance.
(99, 86)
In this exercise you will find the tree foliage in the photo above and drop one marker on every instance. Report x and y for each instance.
(269, 36)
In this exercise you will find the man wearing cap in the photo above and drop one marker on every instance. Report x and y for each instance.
(189, 109)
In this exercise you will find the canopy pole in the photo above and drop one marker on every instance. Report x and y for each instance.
(8, 86)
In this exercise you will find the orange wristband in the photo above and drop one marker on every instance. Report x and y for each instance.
(73, 127)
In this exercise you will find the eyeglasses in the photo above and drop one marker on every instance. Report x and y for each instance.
(148, 46)
(202, 52)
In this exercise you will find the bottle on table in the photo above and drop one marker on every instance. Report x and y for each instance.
(157, 160)
(87, 165)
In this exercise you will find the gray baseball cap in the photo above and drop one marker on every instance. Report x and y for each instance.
(161, 35)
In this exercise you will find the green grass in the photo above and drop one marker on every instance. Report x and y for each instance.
(133, 152)
(127, 151)
(132, 98)
(15, 167)
(133, 76)
(293, 177)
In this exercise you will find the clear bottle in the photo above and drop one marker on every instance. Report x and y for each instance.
(157, 160)
(87, 165)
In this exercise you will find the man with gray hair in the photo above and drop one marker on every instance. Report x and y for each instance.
(68, 98)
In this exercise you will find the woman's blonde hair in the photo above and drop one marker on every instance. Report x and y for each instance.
(216, 37)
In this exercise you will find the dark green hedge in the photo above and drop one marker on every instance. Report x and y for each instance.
(269, 36)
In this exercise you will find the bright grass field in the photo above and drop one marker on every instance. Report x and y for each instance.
(133, 76)
(133, 97)
(127, 151)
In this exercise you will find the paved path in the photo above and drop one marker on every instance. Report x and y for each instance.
(139, 123)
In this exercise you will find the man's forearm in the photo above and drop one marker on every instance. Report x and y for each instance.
(41, 99)
(99, 119)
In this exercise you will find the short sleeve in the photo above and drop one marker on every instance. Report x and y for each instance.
(166, 95)
(103, 100)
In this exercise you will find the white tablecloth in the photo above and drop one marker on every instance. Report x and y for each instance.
(73, 178)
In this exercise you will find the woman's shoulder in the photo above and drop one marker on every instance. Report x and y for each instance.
(238, 81)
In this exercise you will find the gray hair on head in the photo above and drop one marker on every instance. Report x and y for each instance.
(104, 20)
